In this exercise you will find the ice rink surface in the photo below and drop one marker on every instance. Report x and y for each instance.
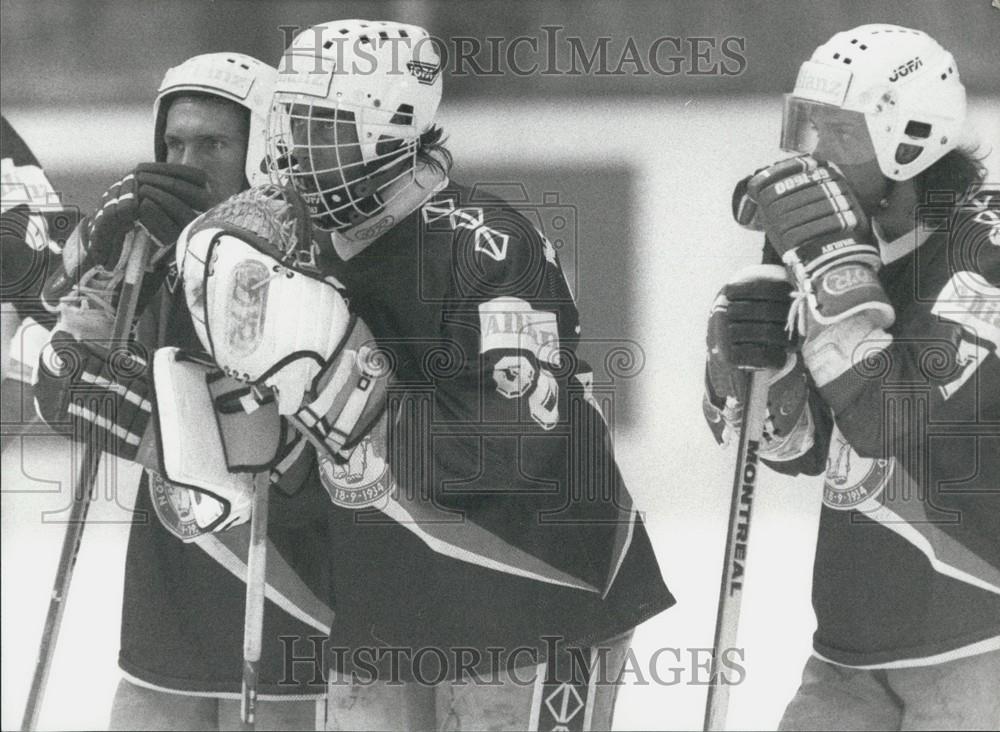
(686, 155)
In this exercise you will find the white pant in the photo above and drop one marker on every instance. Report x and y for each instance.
(957, 695)
(528, 702)
(139, 708)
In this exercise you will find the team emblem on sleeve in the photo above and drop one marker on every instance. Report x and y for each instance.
(363, 480)
(850, 479)
(488, 241)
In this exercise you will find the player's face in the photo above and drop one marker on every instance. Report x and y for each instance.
(325, 143)
(847, 143)
(210, 135)
(833, 135)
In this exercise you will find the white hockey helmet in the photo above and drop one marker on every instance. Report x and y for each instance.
(233, 76)
(380, 77)
(903, 83)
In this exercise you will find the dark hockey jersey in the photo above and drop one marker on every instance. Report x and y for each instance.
(511, 520)
(34, 224)
(182, 614)
(183, 603)
(907, 567)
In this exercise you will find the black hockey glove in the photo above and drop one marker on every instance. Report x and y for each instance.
(163, 197)
(747, 329)
(84, 388)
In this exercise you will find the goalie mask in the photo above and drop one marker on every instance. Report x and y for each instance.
(877, 91)
(232, 76)
(351, 102)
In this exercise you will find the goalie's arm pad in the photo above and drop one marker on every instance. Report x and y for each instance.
(34, 224)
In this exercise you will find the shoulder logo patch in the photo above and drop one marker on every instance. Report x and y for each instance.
(487, 241)
(492, 243)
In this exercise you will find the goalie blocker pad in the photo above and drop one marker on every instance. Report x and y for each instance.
(214, 436)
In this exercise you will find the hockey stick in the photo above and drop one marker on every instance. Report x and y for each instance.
(731, 591)
(253, 621)
(135, 269)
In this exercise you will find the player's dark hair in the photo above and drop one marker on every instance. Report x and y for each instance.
(958, 172)
(431, 150)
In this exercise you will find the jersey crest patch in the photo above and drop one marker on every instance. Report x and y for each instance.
(362, 481)
(850, 479)
(514, 376)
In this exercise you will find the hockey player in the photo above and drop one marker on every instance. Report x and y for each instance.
(891, 278)
(183, 611)
(490, 534)
(34, 223)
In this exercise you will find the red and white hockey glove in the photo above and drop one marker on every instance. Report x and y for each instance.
(819, 230)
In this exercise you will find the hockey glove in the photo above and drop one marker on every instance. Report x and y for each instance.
(84, 388)
(215, 437)
(815, 224)
(162, 197)
(746, 329)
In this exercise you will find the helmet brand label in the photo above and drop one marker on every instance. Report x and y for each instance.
(846, 278)
(306, 76)
(425, 73)
(905, 69)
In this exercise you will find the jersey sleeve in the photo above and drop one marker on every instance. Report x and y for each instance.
(515, 319)
(519, 447)
(939, 364)
(34, 223)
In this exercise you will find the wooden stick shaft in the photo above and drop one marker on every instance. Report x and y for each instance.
(82, 496)
(253, 622)
(737, 540)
